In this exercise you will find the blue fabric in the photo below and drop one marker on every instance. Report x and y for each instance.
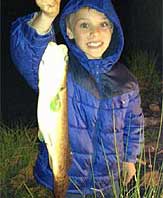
(101, 123)
(106, 7)
(27, 48)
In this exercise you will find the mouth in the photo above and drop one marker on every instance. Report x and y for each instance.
(94, 44)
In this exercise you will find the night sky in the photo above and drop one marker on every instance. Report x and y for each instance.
(18, 101)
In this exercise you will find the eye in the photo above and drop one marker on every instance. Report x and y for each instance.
(84, 25)
(105, 24)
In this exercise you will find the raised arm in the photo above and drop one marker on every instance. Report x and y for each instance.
(29, 38)
(49, 11)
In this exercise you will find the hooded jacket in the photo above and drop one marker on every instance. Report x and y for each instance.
(105, 117)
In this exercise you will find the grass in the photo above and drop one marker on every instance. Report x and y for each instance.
(143, 65)
(19, 151)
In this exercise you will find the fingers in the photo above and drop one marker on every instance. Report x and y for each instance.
(49, 7)
(51, 3)
(47, 2)
(127, 178)
(129, 172)
(58, 1)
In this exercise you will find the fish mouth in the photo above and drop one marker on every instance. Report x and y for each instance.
(94, 44)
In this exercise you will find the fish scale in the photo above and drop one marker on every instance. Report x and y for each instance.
(53, 115)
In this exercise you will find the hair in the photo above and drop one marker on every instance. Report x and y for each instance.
(69, 18)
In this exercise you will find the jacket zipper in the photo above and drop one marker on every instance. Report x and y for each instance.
(94, 141)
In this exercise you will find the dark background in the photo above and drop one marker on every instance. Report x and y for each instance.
(142, 24)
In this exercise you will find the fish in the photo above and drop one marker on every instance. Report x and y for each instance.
(52, 113)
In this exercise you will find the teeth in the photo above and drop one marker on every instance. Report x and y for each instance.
(94, 44)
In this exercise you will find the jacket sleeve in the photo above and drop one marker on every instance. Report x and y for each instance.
(27, 48)
(133, 131)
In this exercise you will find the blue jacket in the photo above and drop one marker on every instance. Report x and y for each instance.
(105, 117)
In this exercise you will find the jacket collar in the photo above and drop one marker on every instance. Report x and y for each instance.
(113, 53)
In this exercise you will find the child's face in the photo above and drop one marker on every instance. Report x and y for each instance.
(91, 31)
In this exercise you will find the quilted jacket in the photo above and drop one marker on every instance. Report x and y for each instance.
(105, 116)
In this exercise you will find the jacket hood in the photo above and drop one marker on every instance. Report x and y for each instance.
(112, 54)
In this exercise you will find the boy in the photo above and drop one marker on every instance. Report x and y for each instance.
(105, 117)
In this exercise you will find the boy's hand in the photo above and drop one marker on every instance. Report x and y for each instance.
(128, 172)
(50, 8)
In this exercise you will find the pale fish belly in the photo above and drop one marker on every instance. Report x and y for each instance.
(52, 113)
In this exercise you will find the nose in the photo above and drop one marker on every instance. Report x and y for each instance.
(94, 31)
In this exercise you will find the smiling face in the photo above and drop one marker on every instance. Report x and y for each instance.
(91, 31)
